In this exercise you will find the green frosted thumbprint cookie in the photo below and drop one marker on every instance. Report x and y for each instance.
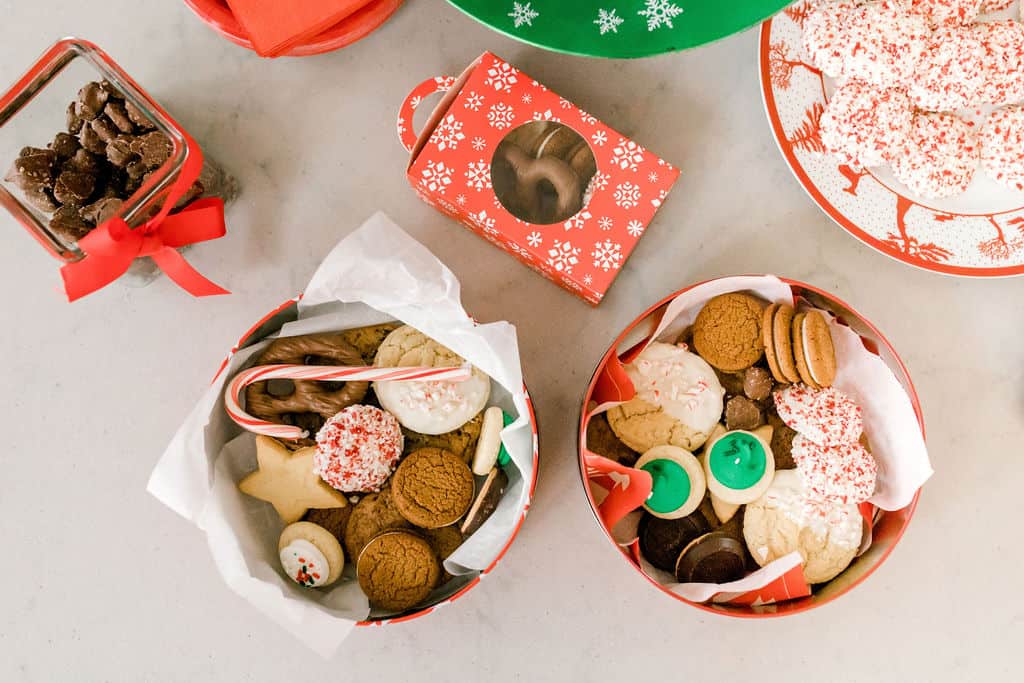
(677, 481)
(739, 467)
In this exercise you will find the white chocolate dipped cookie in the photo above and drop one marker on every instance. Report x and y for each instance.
(428, 407)
(310, 555)
(678, 401)
(785, 519)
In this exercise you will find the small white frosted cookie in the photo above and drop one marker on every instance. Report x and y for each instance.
(678, 401)
(310, 555)
(677, 485)
(488, 446)
(784, 519)
(428, 407)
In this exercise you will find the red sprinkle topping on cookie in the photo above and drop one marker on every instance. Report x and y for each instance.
(1002, 146)
(358, 448)
(864, 124)
(824, 416)
(843, 474)
(940, 156)
(951, 71)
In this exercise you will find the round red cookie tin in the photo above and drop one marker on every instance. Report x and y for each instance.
(979, 233)
(286, 312)
(886, 532)
(365, 21)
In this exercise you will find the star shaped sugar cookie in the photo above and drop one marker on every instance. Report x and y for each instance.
(287, 481)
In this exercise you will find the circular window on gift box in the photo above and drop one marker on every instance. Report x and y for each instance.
(540, 172)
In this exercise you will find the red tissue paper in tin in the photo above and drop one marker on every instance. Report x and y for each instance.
(534, 174)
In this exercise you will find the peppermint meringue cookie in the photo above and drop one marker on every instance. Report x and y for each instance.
(678, 401)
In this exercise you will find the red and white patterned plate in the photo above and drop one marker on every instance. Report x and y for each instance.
(979, 233)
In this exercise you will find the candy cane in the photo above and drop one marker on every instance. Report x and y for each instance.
(322, 373)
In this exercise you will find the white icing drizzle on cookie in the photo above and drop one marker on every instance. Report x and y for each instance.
(304, 563)
(680, 382)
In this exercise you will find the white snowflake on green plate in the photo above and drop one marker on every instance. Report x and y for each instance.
(660, 13)
(608, 21)
(522, 14)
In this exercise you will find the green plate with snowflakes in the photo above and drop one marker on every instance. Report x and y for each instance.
(619, 28)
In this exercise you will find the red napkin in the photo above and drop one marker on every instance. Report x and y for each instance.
(275, 26)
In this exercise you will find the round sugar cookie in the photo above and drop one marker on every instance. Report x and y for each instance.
(310, 555)
(428, 407)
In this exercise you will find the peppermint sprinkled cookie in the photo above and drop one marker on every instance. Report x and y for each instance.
(1003, 43)
(1002, 146)
(679, 400)
(826, 37)
(952, 12)
(940, 156)
(825, 416)
(885, 44)
(864, 123)
(951, 71)
(843, 474)
(358, 448)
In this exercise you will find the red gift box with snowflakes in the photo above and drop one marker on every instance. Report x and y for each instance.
(454, 167)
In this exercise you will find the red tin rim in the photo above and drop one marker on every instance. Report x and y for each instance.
(519, 523)
(217, 15)
(800, 604)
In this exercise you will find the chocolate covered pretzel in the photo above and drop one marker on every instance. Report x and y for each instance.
(306, 404)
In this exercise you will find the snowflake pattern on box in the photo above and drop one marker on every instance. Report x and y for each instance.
(436, 177)
(627, 155)
(448, 133)
(584, 253)
(563, 256)
(627, 195)
(660, 13)
(478, 175)
(607, 255)
(501, 116)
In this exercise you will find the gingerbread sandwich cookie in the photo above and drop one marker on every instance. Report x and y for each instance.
(677, 486)
(310, 555)
(813, 349)
(432, 488)
(777, 337)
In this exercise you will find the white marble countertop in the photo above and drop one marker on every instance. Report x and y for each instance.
(100, 582)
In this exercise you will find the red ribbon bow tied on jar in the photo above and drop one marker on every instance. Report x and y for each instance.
(112, 246)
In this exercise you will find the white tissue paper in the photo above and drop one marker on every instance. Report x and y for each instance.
(377, 274)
